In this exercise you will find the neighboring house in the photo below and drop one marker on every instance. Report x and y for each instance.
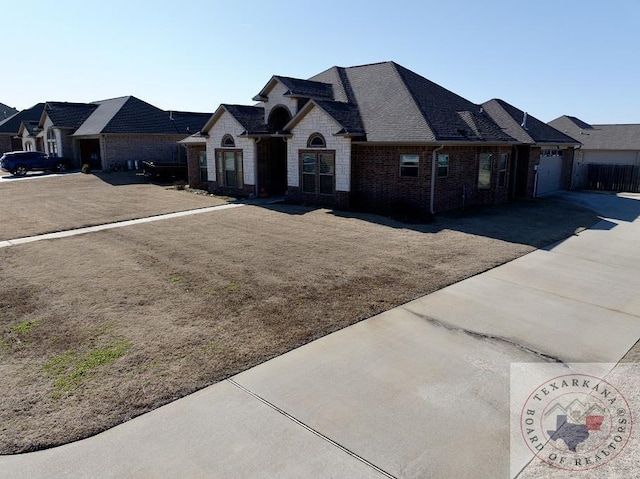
(543, 150)
(6, 111)
(9, 129)
(110, 134)
(601, 144)
(375, 137)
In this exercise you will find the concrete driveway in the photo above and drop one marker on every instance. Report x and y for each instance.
(424, 390)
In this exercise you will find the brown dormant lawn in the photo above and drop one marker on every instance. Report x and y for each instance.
(99, 328)
(55, 203)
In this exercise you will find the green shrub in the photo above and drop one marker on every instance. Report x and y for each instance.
(86, 168)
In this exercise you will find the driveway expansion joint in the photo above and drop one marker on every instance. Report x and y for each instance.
(490, 337)
(312, 430)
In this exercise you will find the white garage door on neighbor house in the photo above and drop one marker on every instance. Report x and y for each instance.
(549, 172)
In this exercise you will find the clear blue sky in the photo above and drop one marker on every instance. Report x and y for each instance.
(548, 57)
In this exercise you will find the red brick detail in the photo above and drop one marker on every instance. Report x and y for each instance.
(193, 164)
(376, 184)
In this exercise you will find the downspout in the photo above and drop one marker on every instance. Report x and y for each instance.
(255, 169)
(433, 179)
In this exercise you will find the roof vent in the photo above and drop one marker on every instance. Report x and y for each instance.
(524, 120)
(170, 115)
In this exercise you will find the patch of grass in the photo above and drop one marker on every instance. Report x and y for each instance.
(70, 369)
(60, 363)
(233, 286)
(25, 327)
(175, 279)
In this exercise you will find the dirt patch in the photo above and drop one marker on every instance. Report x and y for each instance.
(99, 328)
(57, 203)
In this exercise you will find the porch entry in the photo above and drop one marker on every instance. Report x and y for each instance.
(272, 155)
(520, 169)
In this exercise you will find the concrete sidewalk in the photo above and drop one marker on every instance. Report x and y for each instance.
(420, 391)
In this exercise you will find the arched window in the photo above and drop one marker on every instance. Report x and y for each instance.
(228, 142)
(316, 140)
(52, 145)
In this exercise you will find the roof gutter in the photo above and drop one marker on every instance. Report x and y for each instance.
(433, 179)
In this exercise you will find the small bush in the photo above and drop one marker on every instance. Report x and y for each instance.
(180, 185)
(86, 168)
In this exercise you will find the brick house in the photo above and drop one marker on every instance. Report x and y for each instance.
(543, 158)
(109, 134)
(374, 137)
(10, 135)
(602, 144)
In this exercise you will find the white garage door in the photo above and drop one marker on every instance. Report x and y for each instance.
(549, 175)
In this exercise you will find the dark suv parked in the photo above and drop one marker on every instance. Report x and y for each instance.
(19, 162)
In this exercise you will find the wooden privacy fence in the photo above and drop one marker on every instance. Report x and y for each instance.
(613, 178)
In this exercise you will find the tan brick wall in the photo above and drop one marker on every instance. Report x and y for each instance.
(319, 122)
(277, 98)
(227, 125)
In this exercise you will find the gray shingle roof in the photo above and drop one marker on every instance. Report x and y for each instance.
(6, 111)
(510, 119)
(68, 115)
(398, 105)
(306, 88)
(31, 126)
(297, 87)
(389, 103)
(130, 115)
(12, 124)
(442, 109)
(250, 117)
(346, 114)
(599, 137)
(187, 122)
(388, 111)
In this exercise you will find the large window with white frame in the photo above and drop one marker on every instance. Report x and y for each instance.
(229, 168)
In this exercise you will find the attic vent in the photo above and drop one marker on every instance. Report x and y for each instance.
(524, 121)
